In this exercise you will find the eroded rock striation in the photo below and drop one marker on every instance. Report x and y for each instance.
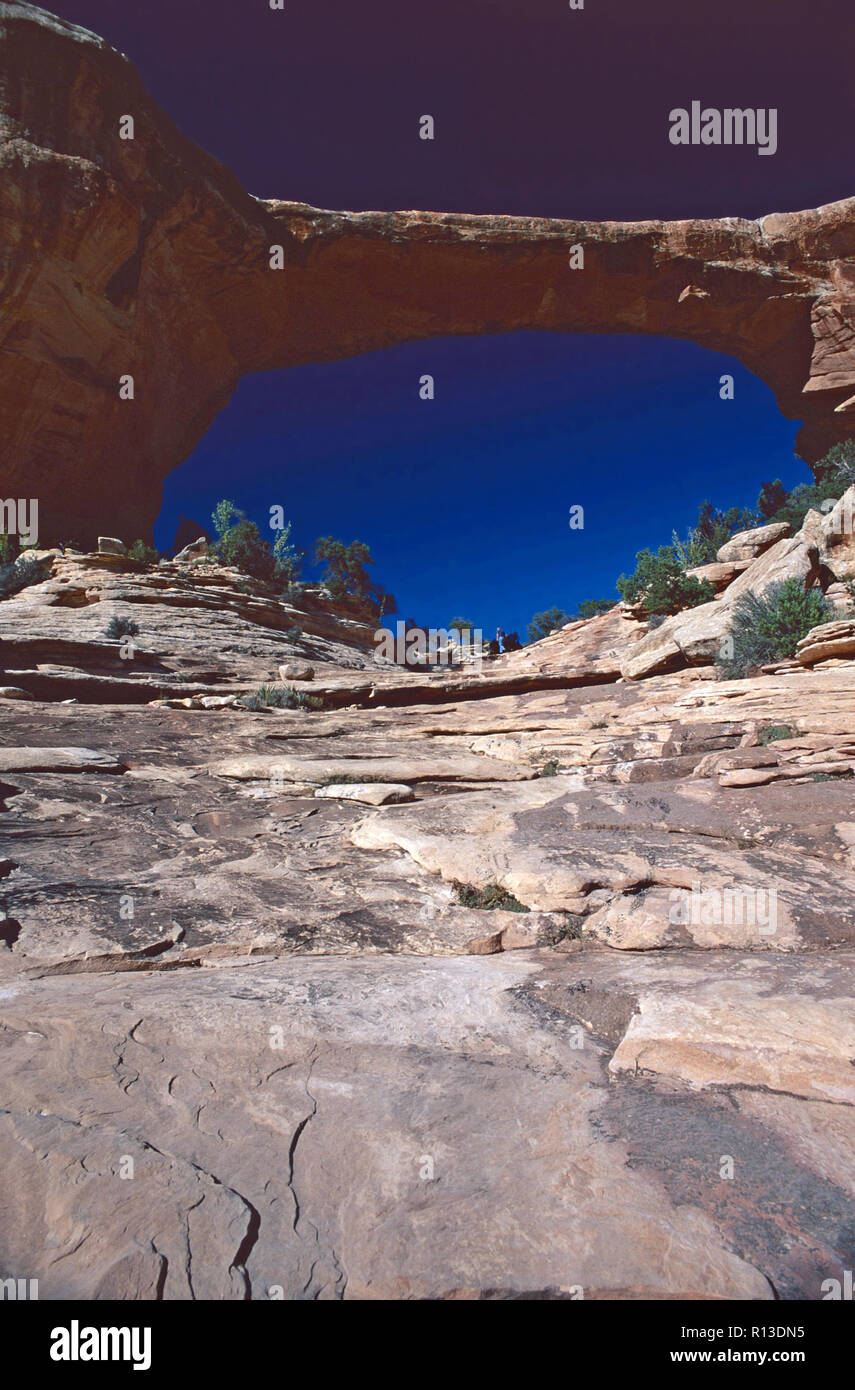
(146, 258)
(250, 951)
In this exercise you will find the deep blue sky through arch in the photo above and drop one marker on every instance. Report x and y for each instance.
(539, 110)
(465, 499)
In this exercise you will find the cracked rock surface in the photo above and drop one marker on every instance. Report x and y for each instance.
(260, 1036)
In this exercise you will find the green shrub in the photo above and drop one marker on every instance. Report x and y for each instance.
(550, 620)
(488, 899)
(771, 733)
(121, 627)
(590, 607)
(146, 554)
(287, 558)
(838, 464)
(20, 574)
(834, 474)
(10, 548)
(348, 580)
(710, 532)
(241, 544)
(353, 779)
(280, 697)
(244, 547)
(660, 581)
(660, 577)
(571, 928)
(773, 496)
(293, 634)
(767, 628)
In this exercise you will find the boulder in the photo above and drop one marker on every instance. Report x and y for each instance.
(196, 550)
(839, 597)
(747, 545)
(834, 639)
(110, 545)
(296, 671)
(720, 575)
(371, 793)
(186, 533)
(837, 531)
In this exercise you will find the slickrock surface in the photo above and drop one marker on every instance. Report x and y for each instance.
(239, 960)
(152, 261)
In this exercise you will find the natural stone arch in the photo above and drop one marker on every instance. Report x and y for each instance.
(146, 258)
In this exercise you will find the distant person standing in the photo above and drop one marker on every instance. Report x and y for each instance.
(500, 637)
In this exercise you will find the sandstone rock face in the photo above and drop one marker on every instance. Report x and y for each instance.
(372, 793)
(747, 545)
(148, 246)
(337, 1078)
(834, 639)
(719, 574)
(837, 537)
(594, 645)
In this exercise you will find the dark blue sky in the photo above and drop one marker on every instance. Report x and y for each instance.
(542, 110)
(465, 499)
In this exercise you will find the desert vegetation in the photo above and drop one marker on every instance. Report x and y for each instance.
(768, 627)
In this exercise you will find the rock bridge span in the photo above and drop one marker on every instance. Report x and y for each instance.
(146, 258)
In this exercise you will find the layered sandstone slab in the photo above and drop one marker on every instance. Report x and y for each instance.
(318, 1129)
(229, 970)
(146, 258)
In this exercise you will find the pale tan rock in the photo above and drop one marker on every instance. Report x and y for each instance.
(789, 1043)
(719, 574)
(109, 545)
(196, 550)
(57, 760)
(839, 597)
(724, 913)
(258, 904)
(372, 793)
(378, 1064)
(297, 671)
(747, 545)
(759, 777)
(457, 767)
(832, 639)
(838, 537)
(593, 645)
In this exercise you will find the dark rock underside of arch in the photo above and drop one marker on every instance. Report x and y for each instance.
(147, 258)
